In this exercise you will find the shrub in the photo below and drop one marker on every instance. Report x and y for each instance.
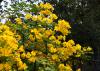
(37, 42)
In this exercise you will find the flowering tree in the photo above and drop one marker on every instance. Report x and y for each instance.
(37, 41)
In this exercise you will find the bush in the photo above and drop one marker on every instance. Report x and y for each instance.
(37, 42)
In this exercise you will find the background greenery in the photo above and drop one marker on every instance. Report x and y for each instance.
(84, 16)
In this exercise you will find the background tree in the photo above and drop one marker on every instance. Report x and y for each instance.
(84, 16)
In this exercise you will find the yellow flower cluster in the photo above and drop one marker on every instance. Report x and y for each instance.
(8, 43)
(63, 27)
(40, 37)
(62, 67)
(8, 46)
(45, 15)
(46, 6)
(18, 20)
(5, 67)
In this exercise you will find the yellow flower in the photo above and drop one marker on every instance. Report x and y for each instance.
(78, 47)
(57, 42)
(46, 6)
(28, 16)
(55, 57)
(4, 28)
(60, 37)
(84, 49)
(44, 20)
(28, 55)
(17, 59)
(18, 37)
(32, 59)
(31, 37)
(23, 55)
(61, 66)
(34, 18)
(49, 21)
(68, 68)
(5, 52)
(18, 20)
(25, 26)
(33, 53)
(52, 38)
(21, 48)
(19, 63)
(1, 67)
(53, 16)
(39, 36)
(64, 68)
(67, 44)
(63, 26)
(45, 12)
(48, 33)
(78, 69)
(7, 66)
(52, 49)
(71, 42)
(50, 45)
(39, 17)
(23, 67)
(78, 55)
(35, 31)
(89, 49)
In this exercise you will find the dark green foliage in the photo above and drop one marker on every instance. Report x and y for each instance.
(84, 16)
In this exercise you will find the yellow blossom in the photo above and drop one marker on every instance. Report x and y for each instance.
(52, 49)
(89, 49)
(23, 55)
(68, 68)
(50, 45)
(46, 12)
(18, 37)
(28, 55)
(1, 67)
(32, 59)
(35, 31)
(39, 17)
(31, 37)
(52, 38)
(78, 47)
(21, 48)
(71, 42)
(53, 16)
(23, 67)
(33, 53)
(63, 26)
(28, 16)
(61, 66)
(18, 20)
(60, 37)
(78, 69)
(7, 66)
(78, 55)
(34, 18)
(55, 57)
(48, 33)
(57, 42)
(46, 6)
(49, 21)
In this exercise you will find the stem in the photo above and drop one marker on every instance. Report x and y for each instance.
(34, 66)
(74, 66)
